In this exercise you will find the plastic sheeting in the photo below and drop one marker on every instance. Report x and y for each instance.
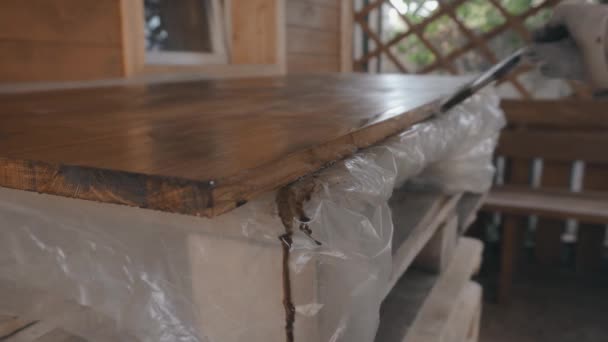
(166, 277)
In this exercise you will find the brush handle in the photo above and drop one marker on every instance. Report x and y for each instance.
(497, 72)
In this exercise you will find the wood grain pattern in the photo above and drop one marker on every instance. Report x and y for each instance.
(255, 31)
(314, 36)
(23, 61)
(61, 40)
(204, 147)
(304, 40)
(307, 14)
(91, 22)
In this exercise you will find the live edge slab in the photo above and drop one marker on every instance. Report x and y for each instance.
(201, 147)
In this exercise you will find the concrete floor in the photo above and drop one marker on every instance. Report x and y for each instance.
(555, 307)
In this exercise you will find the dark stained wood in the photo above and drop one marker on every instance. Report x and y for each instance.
(510, 244)
(519, 170)
(591, 237)
(590, 248)
(565, 114)
(560, 132)
(554, 145)
(203, 147)
(549, 232)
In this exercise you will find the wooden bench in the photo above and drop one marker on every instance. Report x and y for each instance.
(556, 155)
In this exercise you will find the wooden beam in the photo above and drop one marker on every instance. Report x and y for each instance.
(564, 113)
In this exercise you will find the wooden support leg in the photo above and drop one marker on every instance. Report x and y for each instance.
(509, 249)
(589, 248)
(548, 242)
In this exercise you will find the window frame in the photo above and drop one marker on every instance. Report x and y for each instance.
(219, 55)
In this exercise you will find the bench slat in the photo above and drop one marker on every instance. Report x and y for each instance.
(554, 145)
(586, 207)
(565, 114)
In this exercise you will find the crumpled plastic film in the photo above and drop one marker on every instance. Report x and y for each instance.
(165, 277)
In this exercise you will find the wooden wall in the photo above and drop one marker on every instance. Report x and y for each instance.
(77, 40)
(313, 35)
(60, 40)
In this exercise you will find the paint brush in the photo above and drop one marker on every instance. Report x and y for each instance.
(495, 73)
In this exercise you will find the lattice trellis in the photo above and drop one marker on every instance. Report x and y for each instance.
(448, 36)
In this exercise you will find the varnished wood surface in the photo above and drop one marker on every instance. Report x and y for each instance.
(201, 147)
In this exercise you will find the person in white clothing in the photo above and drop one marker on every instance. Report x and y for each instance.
(574, 44)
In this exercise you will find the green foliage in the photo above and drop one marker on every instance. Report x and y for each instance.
(516, 7)
(479, 16)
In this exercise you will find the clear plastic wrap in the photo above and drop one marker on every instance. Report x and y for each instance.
(166, 277)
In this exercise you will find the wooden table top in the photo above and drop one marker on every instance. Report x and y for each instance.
(200, 147)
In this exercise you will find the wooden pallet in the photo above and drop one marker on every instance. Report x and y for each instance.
(430, 297)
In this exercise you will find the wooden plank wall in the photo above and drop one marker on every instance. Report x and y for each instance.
(313, 35)
(60, 40)
(256, 35)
